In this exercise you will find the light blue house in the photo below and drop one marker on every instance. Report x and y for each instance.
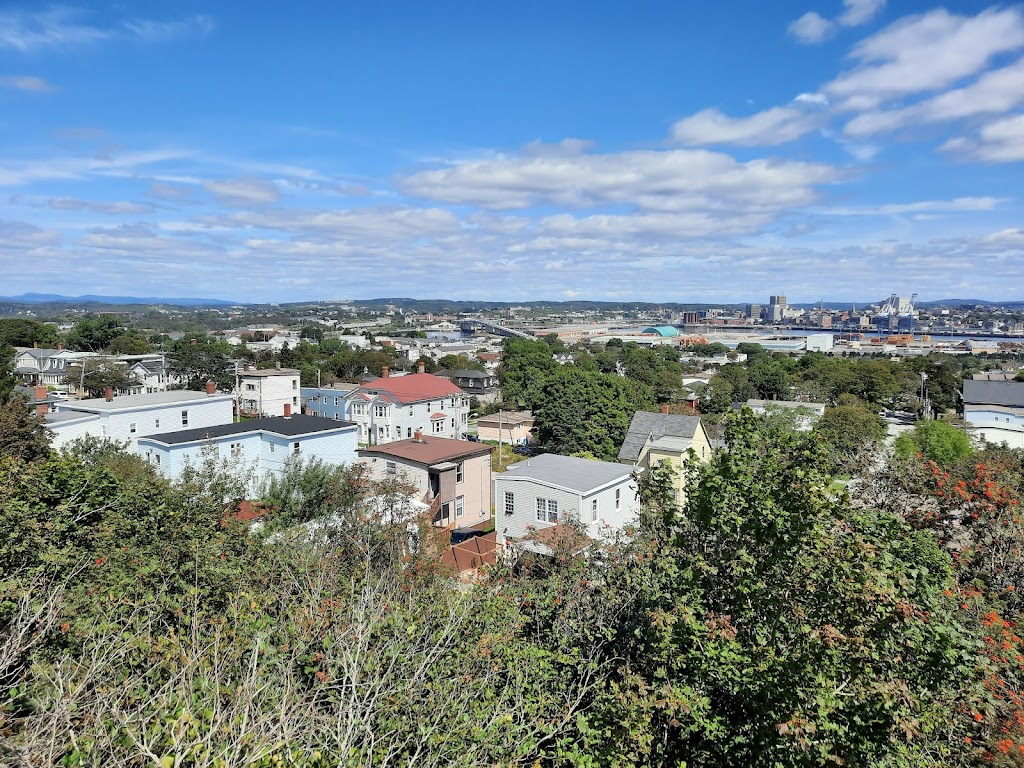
(328, 402)
(259, 446)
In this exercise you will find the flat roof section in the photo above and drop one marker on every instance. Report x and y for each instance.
(295, 426)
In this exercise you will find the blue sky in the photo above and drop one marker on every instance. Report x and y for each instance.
(650, 150)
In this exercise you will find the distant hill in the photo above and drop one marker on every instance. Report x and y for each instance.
(53, 298)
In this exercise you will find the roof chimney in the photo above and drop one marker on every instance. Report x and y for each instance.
(35, 345)
(664, 408)
(422, 368)
(39, 394)
(384, 372)
(60, 346)
(287, 410)
(246, 367)
(417, 436)
(108, 393)
(211, 388)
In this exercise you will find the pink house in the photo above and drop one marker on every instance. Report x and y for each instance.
(453, 476)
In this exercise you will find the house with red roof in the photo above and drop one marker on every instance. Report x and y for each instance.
(395, 407)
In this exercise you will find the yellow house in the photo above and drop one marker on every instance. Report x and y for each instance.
(655, 439)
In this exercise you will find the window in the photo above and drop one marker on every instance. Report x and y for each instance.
(618, 499)
(156, 456)
(250, 387)
(410, 410)
(438, 426)
(391, 468)
(453, 423)
(460, 475)
(236, 449)
(295, 401)
(593, 510)
(131, 427)
(408, 431)
(547, 510)
(380, 410)
(184, 418)
(271, 447)
(335, 402)
(459, 506)
(295, 384)
(156, 423)
(336, 416)
(510, 503)
(465, 418)
(295, 448)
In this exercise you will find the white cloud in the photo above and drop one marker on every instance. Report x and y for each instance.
(26, 83)
(150, 30)
(65, 27)
(860, 11)
(960, 204)
(75, 167)
(114, 208)
(1001, 141)
(675, 180)
(924, 53)
(239, 193)
(813, 99)
(777, 125)
(994, 92)
(812, 28)
(19, 236)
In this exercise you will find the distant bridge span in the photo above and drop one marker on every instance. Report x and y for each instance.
(472, 324)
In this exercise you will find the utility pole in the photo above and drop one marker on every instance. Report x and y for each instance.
(501, 456)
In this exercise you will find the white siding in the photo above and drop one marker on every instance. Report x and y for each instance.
(997, 424)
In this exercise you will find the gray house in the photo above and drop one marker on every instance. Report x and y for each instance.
(545, 492)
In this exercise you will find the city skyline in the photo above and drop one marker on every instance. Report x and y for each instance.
(647, 153)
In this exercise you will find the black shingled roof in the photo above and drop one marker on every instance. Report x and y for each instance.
(299, 424)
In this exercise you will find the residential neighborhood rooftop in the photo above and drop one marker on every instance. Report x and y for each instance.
(506, 418)
(292, 426)
(581, 475)
(1008, 393)
(415, 387)
(428, 450)
(646, 425)
(140, 401)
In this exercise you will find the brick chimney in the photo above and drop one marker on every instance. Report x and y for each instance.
(287, 410)
(422, 367)
(35, 345)
(384, 372)
(664, 408)
(40, 394)
(245, 367)
(108, 394)
(211, 388)
(60, 346)
(417, 436)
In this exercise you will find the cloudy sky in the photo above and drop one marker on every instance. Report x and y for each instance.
(607, 150)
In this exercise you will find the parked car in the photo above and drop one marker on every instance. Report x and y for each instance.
(522, 450)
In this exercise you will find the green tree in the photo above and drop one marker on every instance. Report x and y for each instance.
(198, 359)
(314, 332)
(19, 332)
(457, 362)
(781, 626)
(129, 343)
(852, 435)
(937, 440)
(22, 434)
(7, 380)
(96, 376)
(94, 334)
(581, 412)
(525, 367)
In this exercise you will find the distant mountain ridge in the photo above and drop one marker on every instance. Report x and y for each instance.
(44, 298)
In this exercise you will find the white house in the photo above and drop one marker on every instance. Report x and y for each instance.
(544, 492)
(130, 417)
(805, 415)
(395, 407)
(266, 392)
(995, 409)
(48, 367)
(259, 446)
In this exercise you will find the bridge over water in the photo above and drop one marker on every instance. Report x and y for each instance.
(471, 324)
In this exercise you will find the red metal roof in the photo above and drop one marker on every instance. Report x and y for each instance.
(438, 416)
(415, 387)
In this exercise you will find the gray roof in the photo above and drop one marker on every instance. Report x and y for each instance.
(293, 426)
(659, 425)
(146, 400)
(581, 475)
(1008, 393)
